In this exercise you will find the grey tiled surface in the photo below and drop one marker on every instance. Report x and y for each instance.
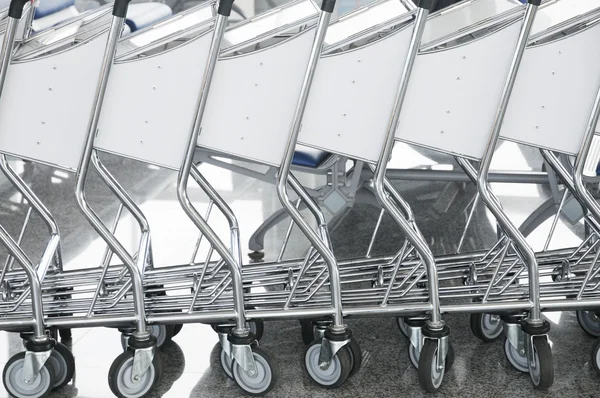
(191, 362)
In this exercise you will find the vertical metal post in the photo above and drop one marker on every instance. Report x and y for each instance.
(233, 258)
(485, 191)
(413, 236)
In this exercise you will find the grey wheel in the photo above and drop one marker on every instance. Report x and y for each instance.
(589, 322)
(517, 358)
(120, 377)
(596, 357)
(337, 372)
(541, 370)
(404, 328)
(486, 327)
(430, 374)
(16, 386)
(265, 377)
(226, 363)
(163, 333)
(62, 363)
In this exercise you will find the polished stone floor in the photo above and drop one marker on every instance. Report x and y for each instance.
(191, 362)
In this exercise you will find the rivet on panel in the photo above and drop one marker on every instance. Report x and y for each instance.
(553, 73)
(54, 67)
(359, 61)
(153, 87)
(442, 132)
(560, 52)
(537, 127)
(38, 143)
(43, 123)
(261, 64)
(247, 117)
(145, 121)
(448, 111)
(543, 107)
(158, 66)
(457, 77)
(49, 88)
(242, 138)
(344, 114)
(339, 135)
(141, 141)
(464, 57)
(353, 81)
(255, 84)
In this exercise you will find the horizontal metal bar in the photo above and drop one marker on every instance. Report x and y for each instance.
(96, 320)
(459, 176)
(389, 310)
(487, 307)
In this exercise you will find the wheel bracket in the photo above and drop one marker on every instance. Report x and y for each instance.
(142, 358)
(243, 356)
(328, 350)
(33, 364)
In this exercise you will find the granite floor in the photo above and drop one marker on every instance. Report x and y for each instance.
(191, 361)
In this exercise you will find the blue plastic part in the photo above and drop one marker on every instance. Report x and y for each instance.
(308, 157)
(47, 7)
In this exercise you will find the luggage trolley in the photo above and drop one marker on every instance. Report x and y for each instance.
(451, 118)
(559, 83)
(48, 68)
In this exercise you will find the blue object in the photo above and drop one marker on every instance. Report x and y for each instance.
(146, 14)
(47, 7)
(308, 157)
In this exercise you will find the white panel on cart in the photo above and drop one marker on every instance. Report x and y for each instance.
(554, 92)
(252, 99)
(46, 103)
(453, 94)
(459, 17)
(352, 96)
(553, 13)
(151, 102)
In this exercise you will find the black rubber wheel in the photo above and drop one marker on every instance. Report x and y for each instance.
(356, 354)
(486, 327)
(226, 363)
(265, 378)
(40, 387)
(308, 331)
(337, 372)
(430, 376)
(589, 322)
(257, 327)
(119, 376)
(62, 363)
(256, 255)
(402, 326)
(65, 334)
(596, 357)
(177, 328)
(542, 374)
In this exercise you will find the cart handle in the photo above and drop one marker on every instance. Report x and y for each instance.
(225, 7)
(120, 8)
(426, 4)
(15, 9)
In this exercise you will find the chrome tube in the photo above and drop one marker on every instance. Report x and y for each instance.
(116, 27)
(320, 242)
(233, 258)
(483, 187)
(412, 234)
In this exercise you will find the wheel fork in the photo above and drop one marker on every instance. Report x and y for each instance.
(241, 353)
(33, 363)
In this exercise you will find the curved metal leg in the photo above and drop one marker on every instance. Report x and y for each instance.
(488, 197)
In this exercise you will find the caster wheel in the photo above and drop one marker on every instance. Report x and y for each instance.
(16, 387)
(338, 371)
(430, 375)
(62, 363)
(177, 328)
(486, 327)
(65, 334)
(402, 326)
(265, 378)
(589, 322)
(256, 256)
(226, 364)
(542, 369)
(163, 334)
(308, 331)
(356, 354)
(121, 383)
(518, 359)
(414, 355)
(257, 327)
(596, 357)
